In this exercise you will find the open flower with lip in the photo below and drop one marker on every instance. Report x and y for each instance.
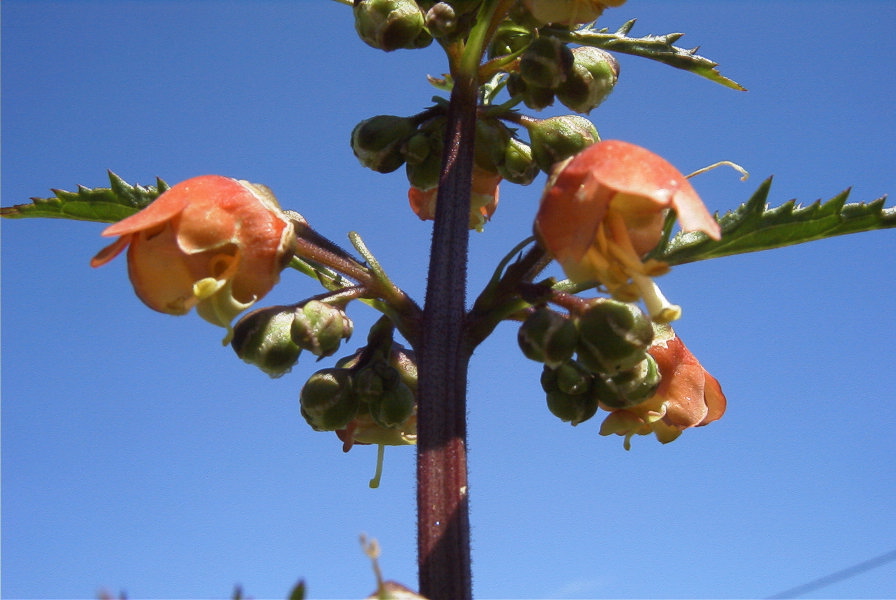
(483, 199)
(211, 242)
(603, 210)
(687, 396)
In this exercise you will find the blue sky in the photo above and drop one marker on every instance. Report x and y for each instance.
(141, 456)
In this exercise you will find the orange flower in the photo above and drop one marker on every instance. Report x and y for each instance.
(483, 199)
(212, 242)
(688, 396)
(568, 12)
(603, 210)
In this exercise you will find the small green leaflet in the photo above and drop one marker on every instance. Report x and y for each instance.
(655, 47)
(754, 226)
(106, 205)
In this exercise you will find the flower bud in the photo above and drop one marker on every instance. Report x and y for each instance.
(377, 142)
(262, 338)
(391, 24)
(368, 384)
(394, 406)
(518, 166)
(590, 80)
(548, 337)
(573, 378)
(534, 97)
(423, 152)
(328, 401)
(320, 327)
(545, 62)
(491, 140)
(573, 408)
(632, 386)
(441, 20)
(557, 138)
(613, 336)
(509, 38)
(405, 362)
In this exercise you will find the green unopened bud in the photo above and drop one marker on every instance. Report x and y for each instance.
(590, 80)
(394, 406)
(573, 409)
(631, 387)
(491, 140)
(613, 336)
(518, 166)
(320, 327)
(424, 155)
(328, 401)
(377, 142)
(405, 362)
(369, 384)
(263, 338)
(509, 38)
(391, 24)
(545, 63)
(548, 337)
(441, 20)
(534, 97)
(557, 138)
(573, 378)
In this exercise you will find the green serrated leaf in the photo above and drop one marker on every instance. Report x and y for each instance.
(754, 226)
(655, 47)
(106, 205)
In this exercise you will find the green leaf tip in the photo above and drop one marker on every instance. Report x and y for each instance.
(655, 47)
(104, 204)
(754, 226)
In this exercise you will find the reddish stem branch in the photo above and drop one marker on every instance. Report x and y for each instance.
(443, 526)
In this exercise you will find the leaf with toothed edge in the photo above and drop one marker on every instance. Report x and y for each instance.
(655, 47)
(754, 226)
(105, 205)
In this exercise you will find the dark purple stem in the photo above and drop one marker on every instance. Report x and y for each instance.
(443, 524)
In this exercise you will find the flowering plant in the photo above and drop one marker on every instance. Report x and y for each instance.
(607, 217)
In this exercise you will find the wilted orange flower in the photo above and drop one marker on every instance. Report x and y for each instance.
(212, 242)
(483, 199)
(569, 12)
(603, 210)
(688, 396)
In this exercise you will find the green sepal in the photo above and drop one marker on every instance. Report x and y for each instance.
(655, 47)
(753, 226)
(105, 205)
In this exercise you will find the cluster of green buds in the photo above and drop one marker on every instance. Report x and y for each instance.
(272, 338)
(366, 398)
(395, 24)
(595, 359)
(580, 78)
(384, 143)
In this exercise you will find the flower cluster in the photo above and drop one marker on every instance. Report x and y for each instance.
(610, 356)
(367, 398)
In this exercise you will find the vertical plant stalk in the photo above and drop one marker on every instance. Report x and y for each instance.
(443, 524)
